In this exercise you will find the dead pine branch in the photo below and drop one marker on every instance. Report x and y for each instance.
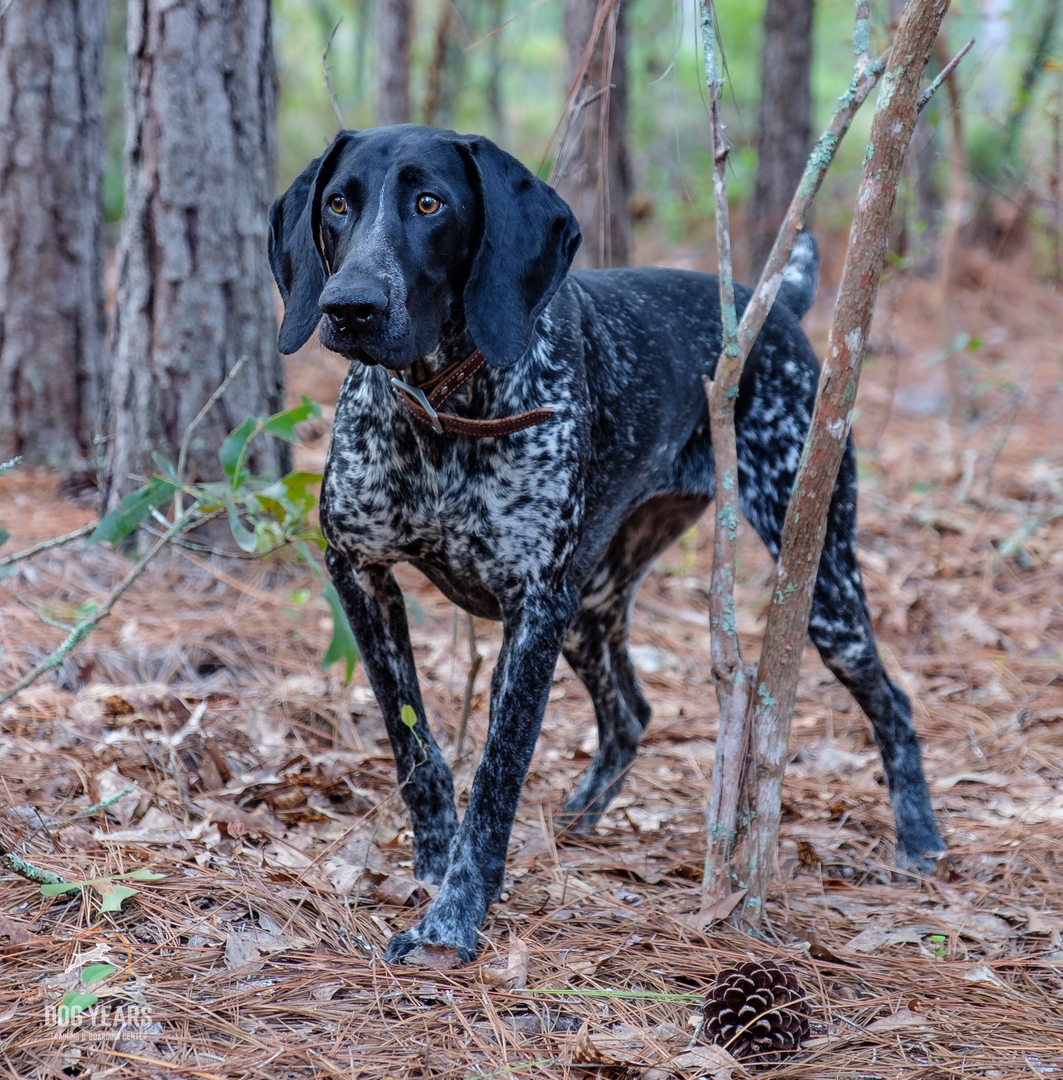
(575, 97)
(731, 676)
(806, 515)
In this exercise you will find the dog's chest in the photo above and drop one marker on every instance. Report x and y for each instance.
(473, 508)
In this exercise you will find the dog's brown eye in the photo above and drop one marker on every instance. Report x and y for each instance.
(337, 204)
(428, 204)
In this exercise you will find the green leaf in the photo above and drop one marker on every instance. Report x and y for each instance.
(233, 452)
(113, 895)
(4, 537)
(132, 510)
(342, 646)
(95, 972)
(409, 716)
(282, 424)
(243, 536)
(268, 535)
(314, 536)
(61, 887)
(76, 1001)
(296, 493)
(234, 449)
(166, 469)
(143, 874)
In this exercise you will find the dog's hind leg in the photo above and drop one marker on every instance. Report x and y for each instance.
(596, 649)
(376, 609)
(840, 628)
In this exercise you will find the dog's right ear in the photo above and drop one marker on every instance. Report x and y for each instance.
(294, 252)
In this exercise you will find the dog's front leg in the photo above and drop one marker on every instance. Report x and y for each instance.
(377, 613)
(519, 689)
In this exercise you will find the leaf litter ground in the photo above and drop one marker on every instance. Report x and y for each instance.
(265, 792)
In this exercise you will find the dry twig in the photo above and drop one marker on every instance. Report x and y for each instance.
(328, 78)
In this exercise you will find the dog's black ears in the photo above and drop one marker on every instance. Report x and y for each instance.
(529, 238)
(294, 255)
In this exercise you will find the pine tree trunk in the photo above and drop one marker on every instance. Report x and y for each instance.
(394, 30)
(785, 125)
(592, 171)
(53, 359)
(194, 288)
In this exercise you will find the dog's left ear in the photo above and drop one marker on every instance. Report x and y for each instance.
(529, 238)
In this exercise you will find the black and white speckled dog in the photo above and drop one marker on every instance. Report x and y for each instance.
(411, 247)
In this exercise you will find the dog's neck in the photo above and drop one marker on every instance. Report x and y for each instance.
(455, 343)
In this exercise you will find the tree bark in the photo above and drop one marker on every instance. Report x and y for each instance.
(53, 359)
(729, 816)
(592, 172)
(806, 515)
(785, 125)
(194, 288)
(394, 31)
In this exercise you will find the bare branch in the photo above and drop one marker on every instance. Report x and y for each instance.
(729, 672)
(946, 71)
(862, 34)
(863, 82)
(182, 456)
(328, 78)
(14, 862)
(47, 545)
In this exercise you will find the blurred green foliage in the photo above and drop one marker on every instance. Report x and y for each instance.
(669, 140)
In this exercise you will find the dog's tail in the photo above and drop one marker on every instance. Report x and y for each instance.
(800, 279)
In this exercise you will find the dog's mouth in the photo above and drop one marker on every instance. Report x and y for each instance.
(337, 335)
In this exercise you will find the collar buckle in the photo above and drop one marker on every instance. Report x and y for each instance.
(418, 395)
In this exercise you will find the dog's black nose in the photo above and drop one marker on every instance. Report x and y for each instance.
(354, 309)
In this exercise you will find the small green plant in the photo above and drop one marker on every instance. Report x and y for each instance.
(264, 515)
(77, 1000)
(112, 895)
(938, 941)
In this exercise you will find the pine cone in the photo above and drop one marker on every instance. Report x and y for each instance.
(757, 1013)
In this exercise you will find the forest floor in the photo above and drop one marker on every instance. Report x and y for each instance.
(266, 794)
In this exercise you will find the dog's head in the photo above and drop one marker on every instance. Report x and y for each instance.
(395, 231)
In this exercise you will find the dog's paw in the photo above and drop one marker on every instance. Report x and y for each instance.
(574, 821)
(418, 949)
(919, 846)
(926, 862)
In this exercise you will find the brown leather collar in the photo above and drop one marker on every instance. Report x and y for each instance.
(423, 402)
